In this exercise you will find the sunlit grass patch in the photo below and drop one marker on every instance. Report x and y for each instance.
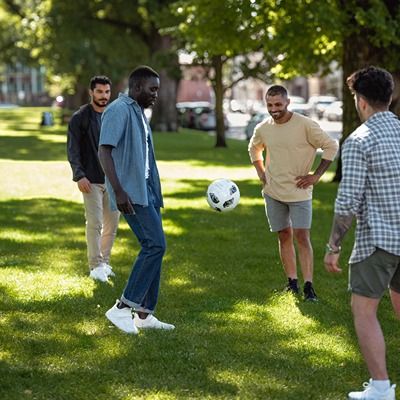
(44, 285)
(237, 336)
(37, 179)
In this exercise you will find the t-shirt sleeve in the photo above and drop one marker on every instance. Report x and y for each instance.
(113, 123)
(321, 140)
(256, 145)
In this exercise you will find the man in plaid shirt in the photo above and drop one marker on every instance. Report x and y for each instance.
(370, 191)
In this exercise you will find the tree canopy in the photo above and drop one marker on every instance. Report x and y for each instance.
(232, 39)
(79, 39)
(224, 37)
(257, 38)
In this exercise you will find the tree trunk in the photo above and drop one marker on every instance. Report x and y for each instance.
(357, 53)
(165, 116)
(351, 61)
(395, 106)
(219, 97)
(80, 97)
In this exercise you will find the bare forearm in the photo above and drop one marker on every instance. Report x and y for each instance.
(341, 224)
(259, 166)
(322, 167)
(107, 163)
(124, 203)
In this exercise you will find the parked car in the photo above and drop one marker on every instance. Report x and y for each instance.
(318, 104)
(334, 111)
(298, 104)
(8, 105)
(297, 99)
(253, 122)
(197, 115)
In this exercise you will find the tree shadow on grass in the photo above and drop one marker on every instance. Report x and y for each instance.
(51, 349)
(62, 347)
(30, 148)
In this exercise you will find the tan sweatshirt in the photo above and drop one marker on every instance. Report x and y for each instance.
(290, 152)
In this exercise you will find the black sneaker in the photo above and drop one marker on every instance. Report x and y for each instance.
(309, 292)
(292, 286)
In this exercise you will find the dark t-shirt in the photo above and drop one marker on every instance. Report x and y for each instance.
(98, 119)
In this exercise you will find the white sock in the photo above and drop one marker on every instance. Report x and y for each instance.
(381, 386)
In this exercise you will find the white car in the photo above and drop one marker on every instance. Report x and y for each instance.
(318, 104)
(334, 111)
(198, 115)
(298, 104)
(253, 122)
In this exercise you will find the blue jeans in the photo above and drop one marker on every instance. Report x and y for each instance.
(141, 291)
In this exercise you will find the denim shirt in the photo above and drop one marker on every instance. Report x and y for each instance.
(122, 128)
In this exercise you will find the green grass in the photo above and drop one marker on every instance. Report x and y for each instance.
(236, 337)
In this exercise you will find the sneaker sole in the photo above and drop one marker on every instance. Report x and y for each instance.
(155, 328)
(99, 280)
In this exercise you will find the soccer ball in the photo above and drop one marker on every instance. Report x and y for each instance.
(223, 195)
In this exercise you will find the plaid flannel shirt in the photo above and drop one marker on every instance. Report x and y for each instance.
(370, 186)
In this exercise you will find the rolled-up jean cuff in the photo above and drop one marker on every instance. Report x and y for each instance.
(136, 306)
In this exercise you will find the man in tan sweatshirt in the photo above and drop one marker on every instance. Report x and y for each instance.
(290, 142)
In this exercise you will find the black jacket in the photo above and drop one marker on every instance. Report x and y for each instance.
(83, 144)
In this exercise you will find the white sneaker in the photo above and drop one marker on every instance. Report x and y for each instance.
(151, 322)
(371, 393)
(108, 269)
(122, 318)
(99, 274)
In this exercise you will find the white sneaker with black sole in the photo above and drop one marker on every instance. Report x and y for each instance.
(122, 318)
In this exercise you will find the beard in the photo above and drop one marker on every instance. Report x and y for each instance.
(278, 115)
(100, 103)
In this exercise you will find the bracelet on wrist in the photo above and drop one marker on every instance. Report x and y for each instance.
(332, 250)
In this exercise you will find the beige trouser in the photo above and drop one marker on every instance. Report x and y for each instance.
(101, 225)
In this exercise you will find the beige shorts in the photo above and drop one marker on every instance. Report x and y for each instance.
(372, 276)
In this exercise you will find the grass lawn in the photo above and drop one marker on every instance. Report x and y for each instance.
(236, 336)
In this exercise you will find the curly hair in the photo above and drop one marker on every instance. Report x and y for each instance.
(374, 84)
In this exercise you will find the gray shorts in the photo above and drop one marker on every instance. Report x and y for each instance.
(372, 276)
(281, 215)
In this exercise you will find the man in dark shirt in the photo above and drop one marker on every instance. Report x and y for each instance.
(82, 148)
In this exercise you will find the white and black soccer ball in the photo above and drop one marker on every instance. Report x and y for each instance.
(223, 195)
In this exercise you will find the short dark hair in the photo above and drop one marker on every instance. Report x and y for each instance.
(99, 79)
(374, 84)
(277, 90)
(140, 73)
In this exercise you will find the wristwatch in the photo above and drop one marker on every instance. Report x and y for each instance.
(332, 250)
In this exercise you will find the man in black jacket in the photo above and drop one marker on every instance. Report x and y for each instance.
(82, 147)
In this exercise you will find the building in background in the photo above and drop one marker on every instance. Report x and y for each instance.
(248, 96)
(194, 86)
(330, 84)
(23, 85)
